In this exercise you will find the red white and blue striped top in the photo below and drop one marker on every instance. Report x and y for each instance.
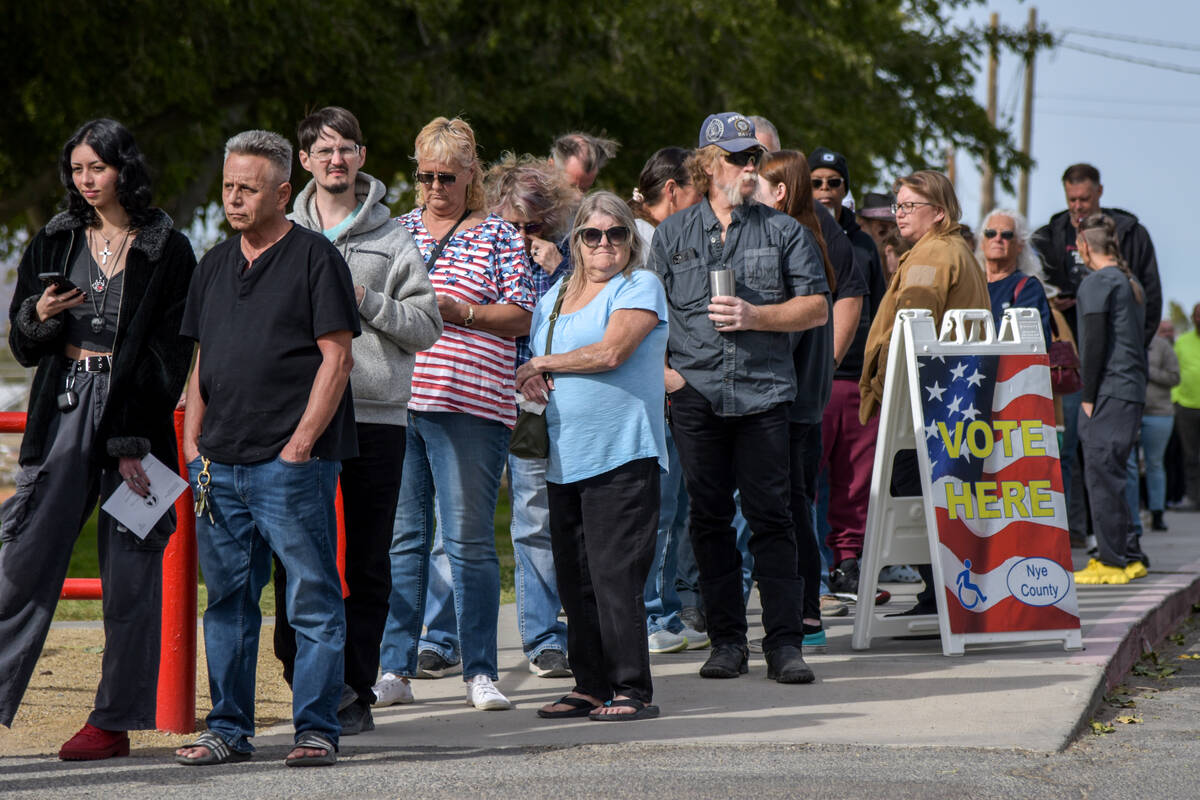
(467, 370)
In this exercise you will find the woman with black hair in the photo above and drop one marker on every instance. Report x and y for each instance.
(99, 297)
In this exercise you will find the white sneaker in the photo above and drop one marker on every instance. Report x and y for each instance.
(392, 690)
(666, 642)
(484, 695)
(695, 639)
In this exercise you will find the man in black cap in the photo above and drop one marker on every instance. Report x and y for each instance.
(848, 446)
(730, 378)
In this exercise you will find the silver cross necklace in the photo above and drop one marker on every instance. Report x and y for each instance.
(102, 279)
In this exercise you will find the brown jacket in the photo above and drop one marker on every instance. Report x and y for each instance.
(939, 273)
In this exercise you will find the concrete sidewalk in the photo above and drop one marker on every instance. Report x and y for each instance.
(904, 693)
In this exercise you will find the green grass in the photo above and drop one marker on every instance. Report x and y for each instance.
(85, 563)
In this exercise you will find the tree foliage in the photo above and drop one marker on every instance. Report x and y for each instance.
(887, 82)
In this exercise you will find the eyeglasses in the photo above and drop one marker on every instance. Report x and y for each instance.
(989, 233)
(592, 237)
(530, 228)
(908, 207)
(832, 183)
(427, 178)
(743, 158)
(325, 154)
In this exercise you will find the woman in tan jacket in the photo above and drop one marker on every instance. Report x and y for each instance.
(939, 273)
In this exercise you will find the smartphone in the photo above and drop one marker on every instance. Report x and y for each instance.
(60, 282)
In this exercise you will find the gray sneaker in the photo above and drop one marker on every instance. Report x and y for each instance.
(432, 665)
(666, 642)
(550, 664)
(693, 618)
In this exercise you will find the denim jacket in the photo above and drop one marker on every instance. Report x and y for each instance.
(774, 258)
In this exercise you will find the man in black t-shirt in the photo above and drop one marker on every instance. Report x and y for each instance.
(269, 419)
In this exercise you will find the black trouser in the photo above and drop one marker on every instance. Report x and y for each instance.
(1187, 427)
(805, 461)
(370, 486)
(906, 482)
(602, 531)
(1107, 437)
(40, 524)
(752, 454)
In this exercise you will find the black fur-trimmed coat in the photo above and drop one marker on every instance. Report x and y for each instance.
(150, 358)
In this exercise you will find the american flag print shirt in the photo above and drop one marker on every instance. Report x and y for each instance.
(467, 370)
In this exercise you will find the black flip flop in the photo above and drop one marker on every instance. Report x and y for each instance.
(219, 752)
(640, 711)
(579, 708)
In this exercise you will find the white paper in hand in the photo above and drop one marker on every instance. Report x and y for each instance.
(138, 513)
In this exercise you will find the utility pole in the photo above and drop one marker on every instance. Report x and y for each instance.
(1027, 115)
(952, 166)
(987, 191)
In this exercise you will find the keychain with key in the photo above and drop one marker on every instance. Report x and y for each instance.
(203, 504)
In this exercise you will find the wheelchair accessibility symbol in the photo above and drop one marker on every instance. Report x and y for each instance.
(963, 581)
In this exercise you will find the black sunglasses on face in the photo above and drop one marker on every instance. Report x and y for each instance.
(592, 237)
(530, 228)
(743, 158)
(991, 233)
(444, 178)
(832, 183)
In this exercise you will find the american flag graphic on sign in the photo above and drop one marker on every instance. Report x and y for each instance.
(997, 491)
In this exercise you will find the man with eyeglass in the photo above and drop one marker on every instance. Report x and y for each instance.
(398, 312)
(730, 380)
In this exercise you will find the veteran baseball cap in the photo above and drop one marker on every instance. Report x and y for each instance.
(730, 131)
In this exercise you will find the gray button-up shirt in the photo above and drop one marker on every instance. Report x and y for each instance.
(774, 258)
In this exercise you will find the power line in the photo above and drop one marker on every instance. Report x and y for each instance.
(1121, 117)
(1120, 37)
(1130, 101)
(1145, 62)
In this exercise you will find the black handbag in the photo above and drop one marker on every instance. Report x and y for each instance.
(530, 437)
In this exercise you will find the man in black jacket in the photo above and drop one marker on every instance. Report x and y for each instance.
(1055, 242)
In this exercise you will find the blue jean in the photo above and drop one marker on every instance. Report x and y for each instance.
(823, 529)
(536, 584)
(1156, 432)
(289, 509)
(441, 624)
(662, 601)
(453, 463)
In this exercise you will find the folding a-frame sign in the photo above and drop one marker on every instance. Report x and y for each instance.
(979, 411)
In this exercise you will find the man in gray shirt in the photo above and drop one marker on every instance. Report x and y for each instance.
(730, 380)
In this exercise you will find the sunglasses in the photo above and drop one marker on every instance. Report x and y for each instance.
(754, 154)
(832, 183)
(531, 228)
(990, 233)
(427, 178)
(592, 237)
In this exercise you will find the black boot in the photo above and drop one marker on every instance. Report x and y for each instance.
(786, 665)
(726, 661)
(1156, 521)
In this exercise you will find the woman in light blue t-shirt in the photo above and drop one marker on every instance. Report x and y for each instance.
(603, 382)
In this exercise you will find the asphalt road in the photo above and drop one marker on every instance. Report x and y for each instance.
(1155, 757)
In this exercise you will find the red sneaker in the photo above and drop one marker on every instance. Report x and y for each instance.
(92, 743)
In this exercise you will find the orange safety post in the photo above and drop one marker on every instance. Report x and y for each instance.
(177, 660)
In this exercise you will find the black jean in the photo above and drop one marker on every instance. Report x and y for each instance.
(370, 486)
(805, 461)
(602, 531)
(752, 454)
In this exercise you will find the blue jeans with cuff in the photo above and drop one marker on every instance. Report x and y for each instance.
(288, 509)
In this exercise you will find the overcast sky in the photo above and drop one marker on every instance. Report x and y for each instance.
(1137, 124)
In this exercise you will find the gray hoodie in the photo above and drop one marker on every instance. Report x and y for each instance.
(399, 308)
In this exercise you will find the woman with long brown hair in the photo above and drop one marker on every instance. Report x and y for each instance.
(785, 182)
